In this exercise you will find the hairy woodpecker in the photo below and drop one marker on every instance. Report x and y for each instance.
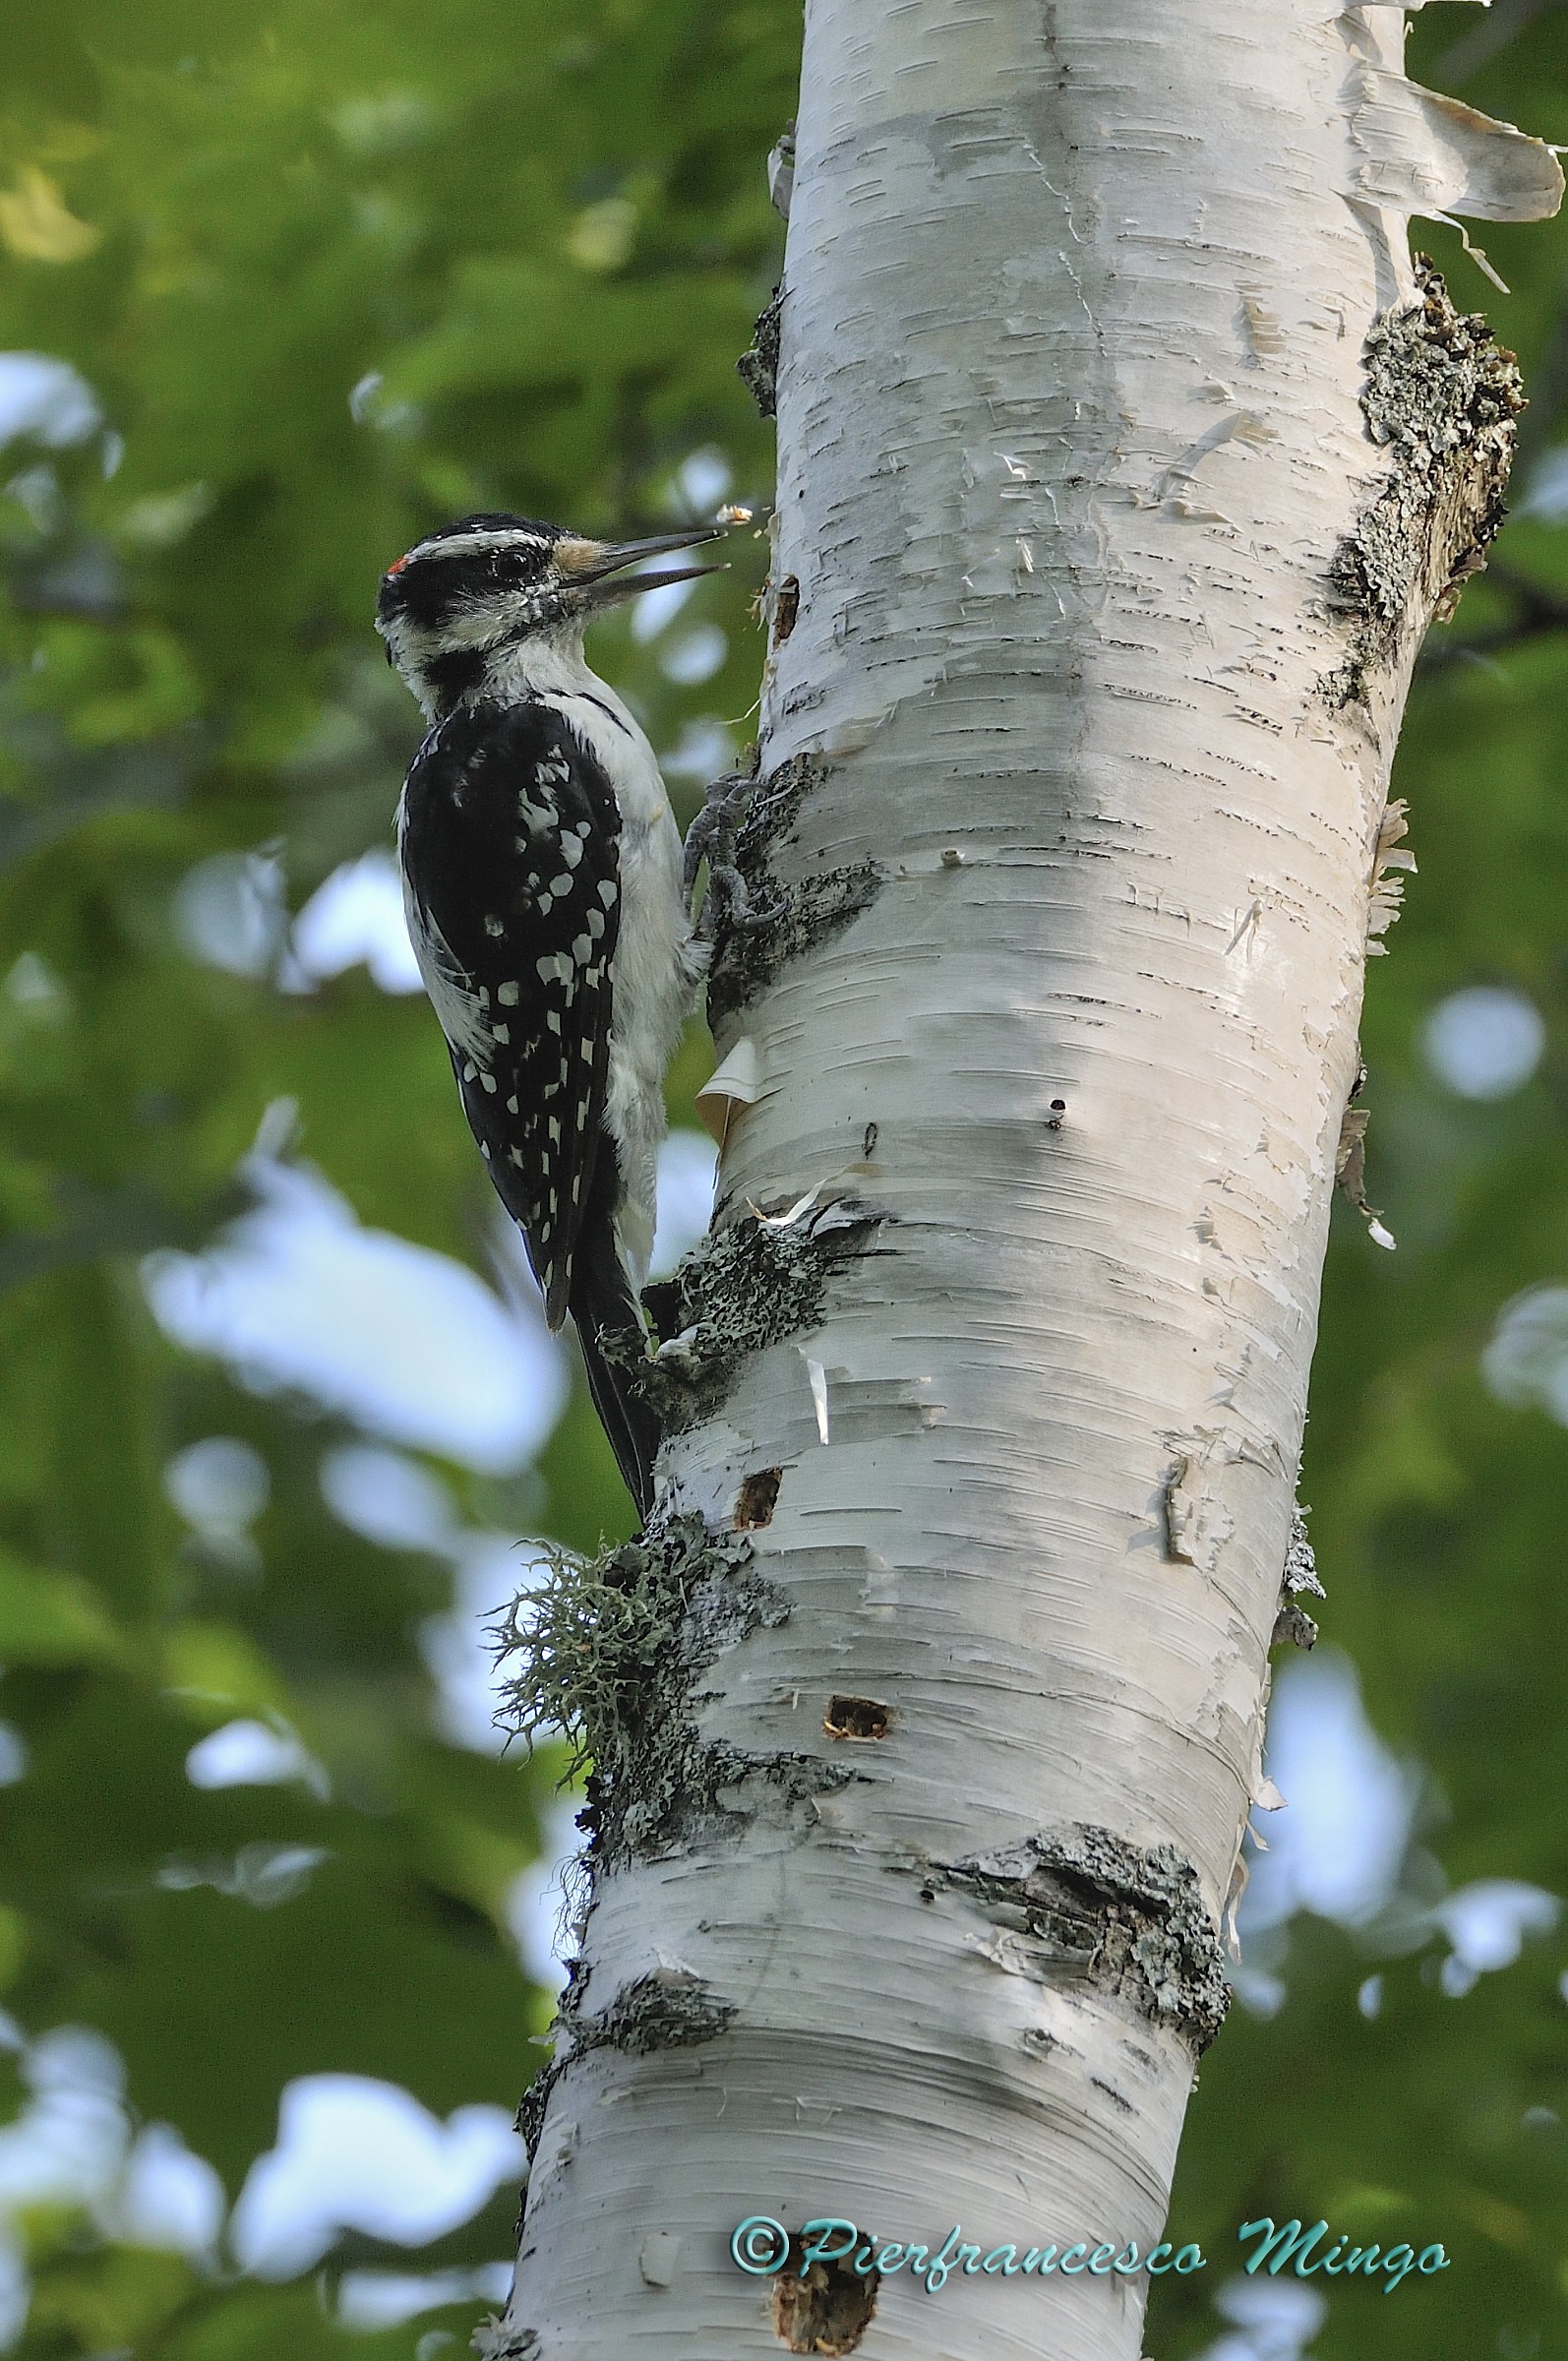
(542, 880)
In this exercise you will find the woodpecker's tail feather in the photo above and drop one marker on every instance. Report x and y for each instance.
(633, 1431)
(611, 1333)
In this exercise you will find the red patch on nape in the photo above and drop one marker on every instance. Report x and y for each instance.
(395, 567)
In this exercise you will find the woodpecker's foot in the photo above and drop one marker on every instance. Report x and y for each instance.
(730, 909)
(713, 836)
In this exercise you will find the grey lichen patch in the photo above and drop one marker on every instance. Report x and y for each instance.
(1442, 394)
(671, 2009)
(532, 2114)
(1086, 1906)
(1299, 1580)
(755, 1283)
(497, 2339)
(783, 1787)
(664, 2009)
(757, 366)
(787, 918)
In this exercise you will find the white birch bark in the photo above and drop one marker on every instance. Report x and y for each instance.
(1073, 451)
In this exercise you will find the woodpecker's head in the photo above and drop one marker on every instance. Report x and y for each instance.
(464, 595)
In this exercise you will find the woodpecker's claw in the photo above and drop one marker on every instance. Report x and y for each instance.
(728, 908)
(712, 835)
(727, 905)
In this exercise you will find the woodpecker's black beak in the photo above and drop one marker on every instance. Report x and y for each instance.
(598, 567)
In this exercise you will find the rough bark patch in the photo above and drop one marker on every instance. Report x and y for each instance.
(1087, 1906)
(495, 2341)
(827, 2311)
(671, 2009)
(757, 366)
(746, 958)
(1299, 1578)
(757, 1283)
(713, 1788)
(1443, 395)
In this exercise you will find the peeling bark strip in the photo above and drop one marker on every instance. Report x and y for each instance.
(1112, 424)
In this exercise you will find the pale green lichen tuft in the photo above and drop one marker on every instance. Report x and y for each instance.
(597, 1641)
(609, 1652)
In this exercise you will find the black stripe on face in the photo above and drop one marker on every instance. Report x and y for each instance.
(436, 582)
(453, 674)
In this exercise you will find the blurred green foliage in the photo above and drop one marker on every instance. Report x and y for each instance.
(332, 273)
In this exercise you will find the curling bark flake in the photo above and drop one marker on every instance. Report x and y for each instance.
(1123, 461)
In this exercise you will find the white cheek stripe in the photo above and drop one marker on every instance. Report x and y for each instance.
(462, 545)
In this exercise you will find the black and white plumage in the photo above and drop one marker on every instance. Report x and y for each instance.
(542, 880)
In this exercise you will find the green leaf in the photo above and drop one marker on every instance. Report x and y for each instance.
(47, 1617)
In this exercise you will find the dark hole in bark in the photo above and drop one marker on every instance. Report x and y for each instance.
(756, 1501)
(856, 1718)
(786, 606)
(826, 2312)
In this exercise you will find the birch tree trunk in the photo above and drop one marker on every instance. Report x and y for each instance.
(1123, 461)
